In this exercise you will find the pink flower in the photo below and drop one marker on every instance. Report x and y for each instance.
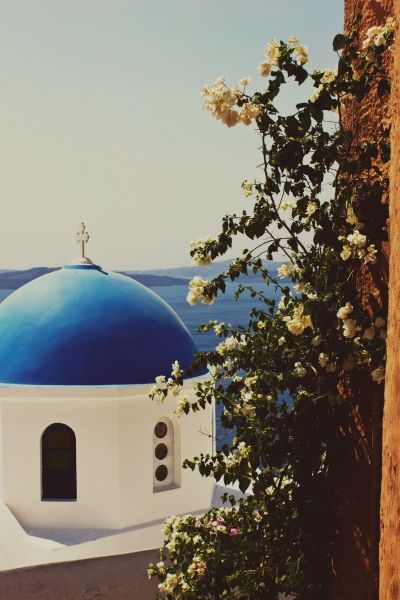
(234, 530)
(197, 524)
(200, 569)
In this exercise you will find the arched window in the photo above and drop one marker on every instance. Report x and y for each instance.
(163, 454)
(58, 463)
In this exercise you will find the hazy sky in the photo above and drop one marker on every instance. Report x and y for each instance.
(101, 120)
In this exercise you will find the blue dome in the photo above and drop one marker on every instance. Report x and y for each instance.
(83, 326)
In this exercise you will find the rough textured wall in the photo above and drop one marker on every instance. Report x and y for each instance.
(355, 563)
(390, 498)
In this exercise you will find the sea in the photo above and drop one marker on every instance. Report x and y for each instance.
(225, 308)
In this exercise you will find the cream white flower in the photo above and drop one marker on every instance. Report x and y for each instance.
(298, 322)
(282, 304)
(285, 270)
(249, 112)
(370, 255)
(344, 311)
(323, 359)
(169, 584)
(245, 81)
(346, 252)
(218, 328)
(176, 369)
(351, 217)
(349, 328)
(316, 93)
(201, 248)
(264, 69)
(311, 208)
(239, 454)
(272, 53)
(317, 340)
(288, 205)
(219, 100)
(192, 297)
(299, 370)
(228, 345)
(377, 35)
(281, 341)
(357, 239)
(247, 188)
(378, 374)
(302, 54)
(293, 40)
(182, 404)
(230, 118)
(329, 75)
(197, 292)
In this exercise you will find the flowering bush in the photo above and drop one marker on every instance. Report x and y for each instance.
(286, 378)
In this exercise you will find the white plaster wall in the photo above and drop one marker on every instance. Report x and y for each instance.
(95, 423)
(138, 502)
(114, 450)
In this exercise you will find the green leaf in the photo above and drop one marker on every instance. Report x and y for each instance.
(339, 41)
(244, 483)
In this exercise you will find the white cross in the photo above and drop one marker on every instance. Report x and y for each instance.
(82, 237)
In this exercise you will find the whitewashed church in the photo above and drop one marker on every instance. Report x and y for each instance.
(90, 466)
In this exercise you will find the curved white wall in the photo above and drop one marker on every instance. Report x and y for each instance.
(114, 452)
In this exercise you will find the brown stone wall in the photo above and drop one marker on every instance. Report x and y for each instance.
(390, 496)
(358, 474)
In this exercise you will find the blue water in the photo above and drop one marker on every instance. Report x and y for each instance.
(224, 309)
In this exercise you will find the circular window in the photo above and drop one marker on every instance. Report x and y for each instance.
(161, 451)
(161, 473)
(160, 430)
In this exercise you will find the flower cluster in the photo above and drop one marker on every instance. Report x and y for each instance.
(231, 343)
(247, 188)
(378, 374)
(299, 370)
(286, 270)
(301, 54)
(182, 407)
(328, 76)
(237, 456)
(163, 386)
(200, 250)
(279, 380)
(355, 246)
(297, 322)
(350, 326)
(222, 103)
(378, 35)
(273, 54)
(198, 291)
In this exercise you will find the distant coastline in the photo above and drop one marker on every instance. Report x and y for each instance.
(12, 279)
